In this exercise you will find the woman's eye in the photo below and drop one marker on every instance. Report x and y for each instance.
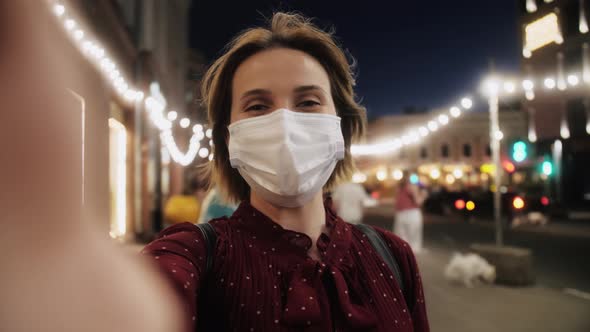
(308, 103)
(257, 107)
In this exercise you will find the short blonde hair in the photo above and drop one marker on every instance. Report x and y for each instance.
(291, 31)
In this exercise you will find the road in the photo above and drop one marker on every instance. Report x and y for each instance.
(559, 300)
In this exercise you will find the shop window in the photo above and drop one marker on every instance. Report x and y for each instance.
(423, 152)
(467, 150)
(576, 117)
(488, 151)
(118, 177)
(444, 151)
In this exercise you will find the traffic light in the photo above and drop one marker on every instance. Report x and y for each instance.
(547, 168)
(519, 151)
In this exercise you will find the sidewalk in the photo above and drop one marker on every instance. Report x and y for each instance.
(558, 227)
(496, 308)
(554, 227)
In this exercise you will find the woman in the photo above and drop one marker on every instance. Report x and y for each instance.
(408, 214)
(282, 107)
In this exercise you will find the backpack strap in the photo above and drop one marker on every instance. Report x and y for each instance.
(210, 237)
(381, 248)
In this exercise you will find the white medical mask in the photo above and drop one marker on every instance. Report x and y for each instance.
(286, 157)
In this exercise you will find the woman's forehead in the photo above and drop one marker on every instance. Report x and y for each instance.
(279, 69)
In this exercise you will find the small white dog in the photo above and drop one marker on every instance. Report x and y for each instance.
(469, 270)
(531, 218)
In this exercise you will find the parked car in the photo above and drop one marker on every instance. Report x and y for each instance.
(481, 203)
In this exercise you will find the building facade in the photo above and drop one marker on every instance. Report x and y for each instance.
(452, 156)
(556, 54)
(122, 161)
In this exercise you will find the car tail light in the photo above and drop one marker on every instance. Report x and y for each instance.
(518, 203)
(459, 204)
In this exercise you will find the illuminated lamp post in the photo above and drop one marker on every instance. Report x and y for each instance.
(492, 87)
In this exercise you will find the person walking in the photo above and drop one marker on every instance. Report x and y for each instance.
(408, 214)
(349, 200)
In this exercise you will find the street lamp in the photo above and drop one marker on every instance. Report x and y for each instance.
(491, 88)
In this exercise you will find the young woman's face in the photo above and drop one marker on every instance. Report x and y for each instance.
(280, 78)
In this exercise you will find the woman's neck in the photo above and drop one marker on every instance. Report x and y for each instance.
(309, 219)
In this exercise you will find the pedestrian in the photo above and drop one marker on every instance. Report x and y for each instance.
(408, 214)
(349, 200)
(282, 108)
(187, 206)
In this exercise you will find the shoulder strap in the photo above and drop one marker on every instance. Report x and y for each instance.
(379, 245)
(210, 237)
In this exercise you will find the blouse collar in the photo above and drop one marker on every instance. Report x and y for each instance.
(270, 234)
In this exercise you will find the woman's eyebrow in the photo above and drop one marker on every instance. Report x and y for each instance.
(255, 92)
(308, 88)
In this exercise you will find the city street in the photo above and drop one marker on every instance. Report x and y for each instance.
(125, 119)
(559, 301)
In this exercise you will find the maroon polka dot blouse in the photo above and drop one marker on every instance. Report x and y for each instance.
(263, 280)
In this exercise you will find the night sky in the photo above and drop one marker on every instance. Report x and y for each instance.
(409, 53)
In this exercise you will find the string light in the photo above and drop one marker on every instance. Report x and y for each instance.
(528, 84)
(78, 34)
(156, 104)
(433, 126)
(423, 131)
(450, 179)
(509, 87)
(172, 115)
(197, 128)
(499, 135)
(381, 175)
(185, 122)
(529, 95)
(200, 135)
(467, 103)
(182, 158)
(573, 80)
(435, 173)
(203, 152)
(59, 9)
(549, 83)
(70, 24)
(397, 174)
